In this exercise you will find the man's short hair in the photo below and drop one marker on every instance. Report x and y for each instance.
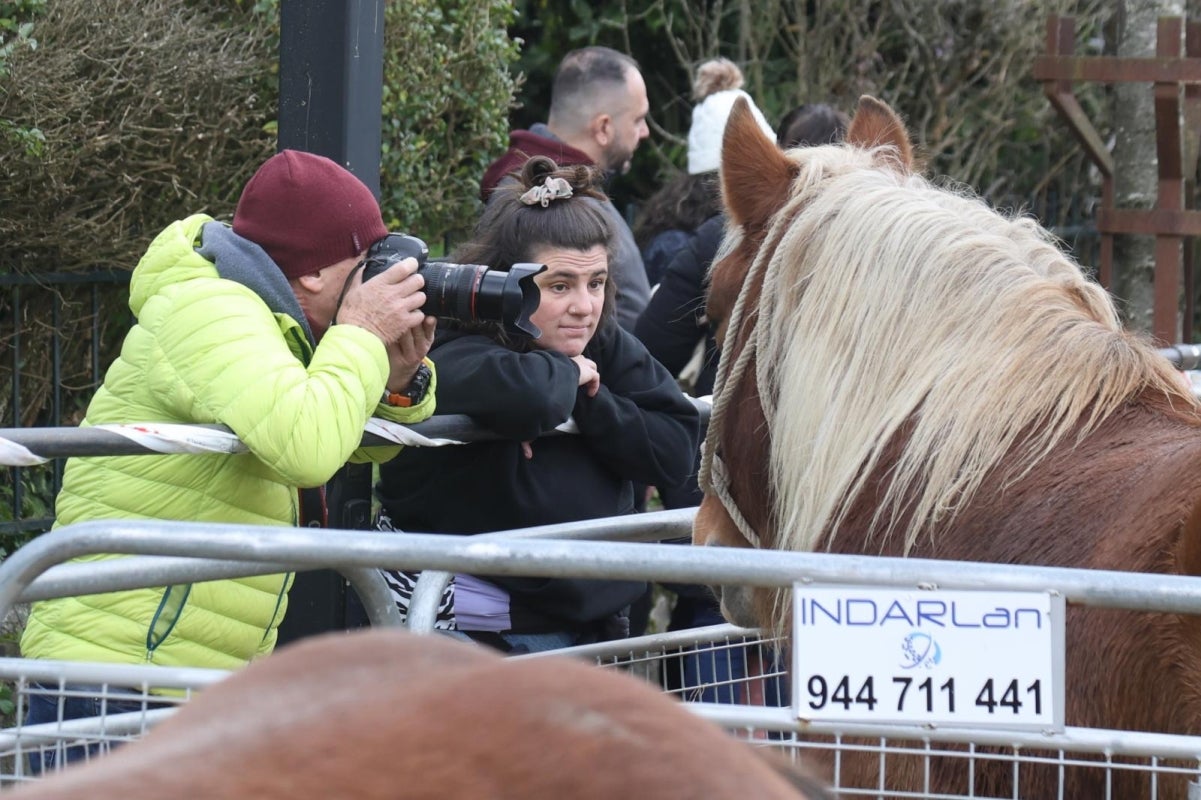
(574, 93)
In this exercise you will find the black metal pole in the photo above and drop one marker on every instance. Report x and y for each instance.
(331, 82)
(331, 77)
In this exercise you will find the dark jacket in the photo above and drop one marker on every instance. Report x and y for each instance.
(524, 145)
(661, 249)
(639, 427)
(625, 260)
(674, 321)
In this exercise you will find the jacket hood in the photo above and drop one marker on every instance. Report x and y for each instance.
(170, 258)
(200, 247)
(239, 259)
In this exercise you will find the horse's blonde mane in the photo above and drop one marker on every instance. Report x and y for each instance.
(892, 306)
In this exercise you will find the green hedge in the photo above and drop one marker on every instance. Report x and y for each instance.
(113, 125)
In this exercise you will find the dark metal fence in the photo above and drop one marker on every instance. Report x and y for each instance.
(59, 331)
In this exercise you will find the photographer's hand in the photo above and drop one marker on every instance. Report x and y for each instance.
(388, 306)
(406, 352)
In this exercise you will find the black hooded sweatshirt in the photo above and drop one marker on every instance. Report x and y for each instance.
(638, 427)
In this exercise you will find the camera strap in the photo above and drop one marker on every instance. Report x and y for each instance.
(346, 288)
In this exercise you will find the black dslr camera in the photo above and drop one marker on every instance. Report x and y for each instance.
(466, 292)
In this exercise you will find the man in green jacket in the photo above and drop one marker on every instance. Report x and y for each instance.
(267, 328)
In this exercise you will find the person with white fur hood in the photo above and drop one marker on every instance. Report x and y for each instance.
(671, 216)
(718, 84)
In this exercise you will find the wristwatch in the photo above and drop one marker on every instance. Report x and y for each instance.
(415, 393)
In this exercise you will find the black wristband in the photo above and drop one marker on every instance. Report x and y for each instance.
(415, 392)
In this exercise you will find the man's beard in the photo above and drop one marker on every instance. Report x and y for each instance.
(617, 160)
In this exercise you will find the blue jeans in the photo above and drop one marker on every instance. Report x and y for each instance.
(728, 674)
(43, 706)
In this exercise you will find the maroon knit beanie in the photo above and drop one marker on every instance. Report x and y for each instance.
(307, 212)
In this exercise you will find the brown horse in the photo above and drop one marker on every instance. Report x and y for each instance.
(906, 372)
(385, 714)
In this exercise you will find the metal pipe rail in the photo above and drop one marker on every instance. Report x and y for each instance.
(64, 442)
(1097, 741)
(69, 441)
(654, 526)
(586, 559)
(1183, 356)
(137, 572)
(141, 572)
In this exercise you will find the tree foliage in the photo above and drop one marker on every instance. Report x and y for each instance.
(446, 100)
(957, 70)
(115, 124)
(141, 116)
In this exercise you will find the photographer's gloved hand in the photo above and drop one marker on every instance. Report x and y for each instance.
(389, 307)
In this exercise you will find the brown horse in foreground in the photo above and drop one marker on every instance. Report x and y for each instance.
(384, 714)
(907, 372)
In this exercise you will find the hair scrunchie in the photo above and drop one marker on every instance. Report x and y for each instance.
(552, 189)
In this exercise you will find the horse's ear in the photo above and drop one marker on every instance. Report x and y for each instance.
(755, 175)
(876, 125)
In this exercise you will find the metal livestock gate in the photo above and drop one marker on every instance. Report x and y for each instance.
(206, 549)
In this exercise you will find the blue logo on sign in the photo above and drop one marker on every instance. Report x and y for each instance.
(920, 650)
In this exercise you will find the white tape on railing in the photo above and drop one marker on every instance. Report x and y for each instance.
(19, 447)
(395, 432)
(18, 455)
(165, 437)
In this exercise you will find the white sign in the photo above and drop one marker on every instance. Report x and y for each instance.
(964, 658)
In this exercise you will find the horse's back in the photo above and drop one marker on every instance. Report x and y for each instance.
(383, 714)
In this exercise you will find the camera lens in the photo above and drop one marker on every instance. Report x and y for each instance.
(464, 292)
(451, 290)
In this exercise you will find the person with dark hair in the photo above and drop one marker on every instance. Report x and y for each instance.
(264, 327)
(810, 125)
(669, 219)
(633, 422)
(598, 111)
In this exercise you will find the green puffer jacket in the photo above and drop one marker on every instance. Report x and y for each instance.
(209, 348)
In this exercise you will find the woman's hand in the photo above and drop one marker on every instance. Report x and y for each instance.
(589, 377)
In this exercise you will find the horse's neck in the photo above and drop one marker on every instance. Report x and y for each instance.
(1139, 471)
(1126, 498)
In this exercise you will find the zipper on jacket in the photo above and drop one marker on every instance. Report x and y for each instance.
(169, 610)
(279, 599)
(301, 346)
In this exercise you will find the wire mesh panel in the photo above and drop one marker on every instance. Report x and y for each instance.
(1023, 769)
(715, 664)
(726, 674)
(119, 703)
(737, 679)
